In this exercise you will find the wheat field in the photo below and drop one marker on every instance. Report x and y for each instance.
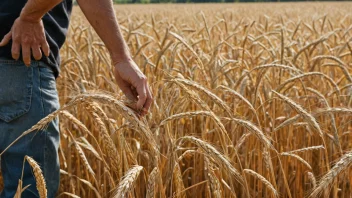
(251, 100)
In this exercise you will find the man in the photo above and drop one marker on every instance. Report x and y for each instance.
(32, 32)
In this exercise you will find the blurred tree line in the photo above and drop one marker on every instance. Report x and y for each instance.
(203, 1)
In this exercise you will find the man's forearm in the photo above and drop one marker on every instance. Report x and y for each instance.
(34, 10)
(101, 15)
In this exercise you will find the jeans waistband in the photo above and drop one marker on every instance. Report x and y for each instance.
(19, 62)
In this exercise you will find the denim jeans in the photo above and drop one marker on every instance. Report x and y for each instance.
(28, 94)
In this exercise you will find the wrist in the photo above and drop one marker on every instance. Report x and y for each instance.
(29, 17)
(118, 58)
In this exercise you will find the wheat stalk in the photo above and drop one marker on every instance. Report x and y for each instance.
(126, 184)
(328, 179)
(39, 178)
(261, 178)
(215, 154)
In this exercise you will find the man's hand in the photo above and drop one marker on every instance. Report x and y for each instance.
(134, 85)
(28, 36)
(27, 32)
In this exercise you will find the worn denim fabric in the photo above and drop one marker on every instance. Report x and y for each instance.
(28, 94)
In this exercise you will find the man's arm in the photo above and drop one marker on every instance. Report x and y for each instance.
(101, 15)
(27, 32)
(34, 10)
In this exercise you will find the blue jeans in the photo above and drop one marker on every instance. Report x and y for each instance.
(28, 94)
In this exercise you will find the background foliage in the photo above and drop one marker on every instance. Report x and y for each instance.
(202, 1)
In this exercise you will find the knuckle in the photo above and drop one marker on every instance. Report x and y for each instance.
(42, 38)
(16, 38)
(26, 42)
(15, 52)
(35, 48)
(35, 43)
(15, 46)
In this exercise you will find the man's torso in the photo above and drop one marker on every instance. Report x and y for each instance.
(55, 22)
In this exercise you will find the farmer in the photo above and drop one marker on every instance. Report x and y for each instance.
(31, 34)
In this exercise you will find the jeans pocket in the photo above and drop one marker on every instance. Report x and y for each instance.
(48, 90)
(47, 79)
(16, 84)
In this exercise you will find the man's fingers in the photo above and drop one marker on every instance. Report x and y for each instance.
(15, 50)
(6, 39)
(148, 102)
(37, 54)
(142, 95)
(26, 55)
(132, 98)
(46, 48)
(129, 94)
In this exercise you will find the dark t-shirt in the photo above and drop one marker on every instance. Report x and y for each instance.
(55, 22)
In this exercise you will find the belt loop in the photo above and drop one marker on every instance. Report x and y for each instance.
(34, 63)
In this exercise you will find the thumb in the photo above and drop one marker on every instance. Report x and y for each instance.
(132, 98)
(142, 96)
(129, 94)
(6, 39)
